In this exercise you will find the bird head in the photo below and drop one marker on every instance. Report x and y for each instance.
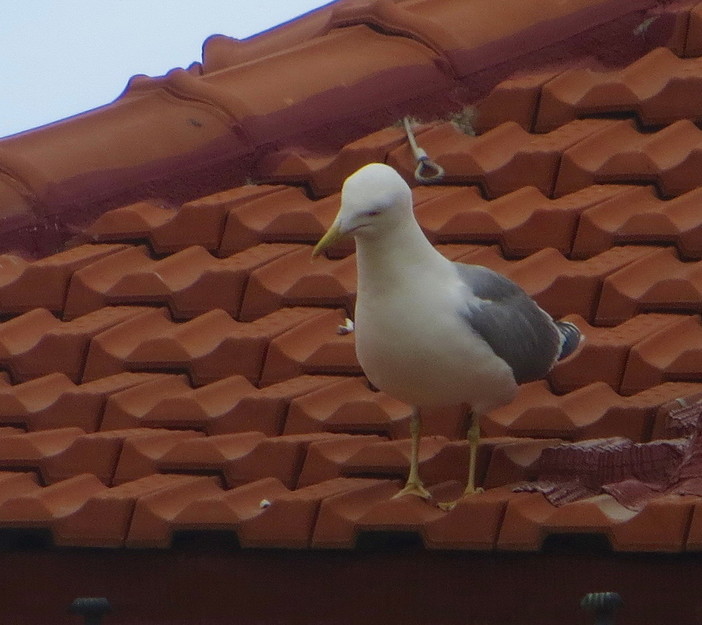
(373, 200)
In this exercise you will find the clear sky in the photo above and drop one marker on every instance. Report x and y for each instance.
(62, 57)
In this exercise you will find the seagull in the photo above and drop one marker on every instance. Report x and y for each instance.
(430, 331)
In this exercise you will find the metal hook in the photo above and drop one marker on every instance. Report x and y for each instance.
(427, 171)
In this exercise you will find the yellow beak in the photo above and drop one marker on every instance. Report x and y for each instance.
(330, 237)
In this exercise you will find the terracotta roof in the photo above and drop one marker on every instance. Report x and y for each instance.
(179, 367)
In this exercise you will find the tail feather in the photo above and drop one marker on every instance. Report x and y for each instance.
(571, 337)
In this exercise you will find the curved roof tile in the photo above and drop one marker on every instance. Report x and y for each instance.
(181, 365)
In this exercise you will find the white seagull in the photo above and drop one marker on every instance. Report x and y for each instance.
(432, 332)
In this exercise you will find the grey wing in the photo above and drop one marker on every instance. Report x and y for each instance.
(514, 326)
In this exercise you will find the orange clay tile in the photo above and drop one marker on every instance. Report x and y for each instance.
(389, 459)
(639, 216)
(324, 175)
(659, 88)
(167, 128)
(54, 401)
(227, 406)
(149, 526)
(341, 517)
(441, 25)
(298, 280)
(348, 405)
(514, 99)
(660, 526)
(167, 229)
(55, 507)
(561, 286)
(673, 354)
(234, 458)
(681, 27)
(248, 432)
(313, 346)
(619, 153)
(351, 406)
(263, 513)
(81, 510)
(189, 282)
(265, 113)
(439, 459)
(286, 215)
(603, 355)
(473, 524)
(209, 347)
(326, 459)
(659, 281)
(18, 214)
(502, 160)
(43, 283)
(593, 411)
(198, 132)
(60, 453)
(522, 222)
(36, 343)
(693, 43)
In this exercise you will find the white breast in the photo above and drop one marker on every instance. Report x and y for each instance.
(413, 344)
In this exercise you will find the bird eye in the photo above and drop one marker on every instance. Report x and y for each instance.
(372, 213)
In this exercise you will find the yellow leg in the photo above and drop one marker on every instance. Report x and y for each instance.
(473, 440)
(414, 485)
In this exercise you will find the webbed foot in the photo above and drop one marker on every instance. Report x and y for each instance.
(447, 506)
(413, 488)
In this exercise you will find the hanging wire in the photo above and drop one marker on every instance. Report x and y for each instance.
(427, 171)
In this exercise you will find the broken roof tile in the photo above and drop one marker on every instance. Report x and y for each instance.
(515, 460)
(679, 416)
(660, 526)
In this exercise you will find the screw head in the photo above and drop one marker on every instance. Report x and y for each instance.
(601, 602)
(90, 605)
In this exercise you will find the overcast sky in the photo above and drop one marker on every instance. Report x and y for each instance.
(62, 57)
